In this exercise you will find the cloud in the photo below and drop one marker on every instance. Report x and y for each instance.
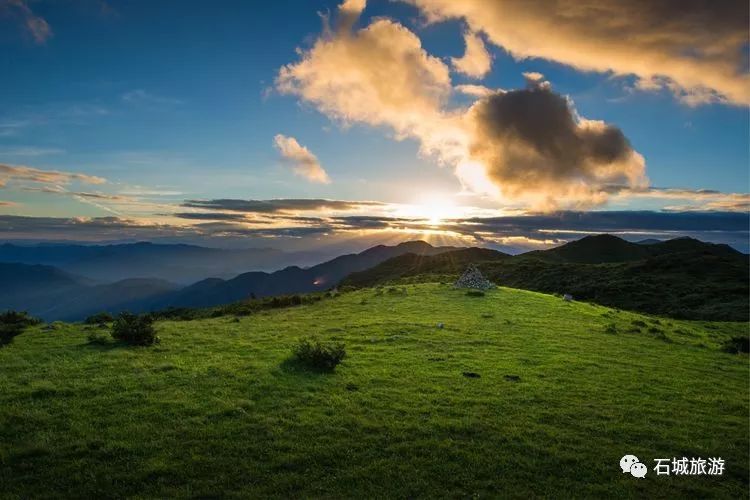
(474, 90)
(7, 203)
(279, 205)
(35, 25)
(224, 216)
(29, 150)
(349, 12)
(141, 97)
(533, 146)
(528, 145)
(696, 49)
(24, 173)
(476, 61)
(703, 200)
(301, 159)
(379, 75)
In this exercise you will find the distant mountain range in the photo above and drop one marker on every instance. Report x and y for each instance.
(182, 264)
(51, 293)
(683, 277)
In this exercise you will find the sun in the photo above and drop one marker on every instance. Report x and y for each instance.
(434, 209)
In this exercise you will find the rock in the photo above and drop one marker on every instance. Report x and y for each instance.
(471, 375)
(568, 297)
(472, 278)
(440, 326)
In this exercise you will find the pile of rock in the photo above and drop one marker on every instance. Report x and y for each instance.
(472, 278)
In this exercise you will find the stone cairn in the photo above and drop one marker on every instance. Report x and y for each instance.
(472, 278)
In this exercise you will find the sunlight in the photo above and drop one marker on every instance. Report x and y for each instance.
(434, 209)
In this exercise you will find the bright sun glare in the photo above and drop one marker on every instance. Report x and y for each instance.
(435, 209)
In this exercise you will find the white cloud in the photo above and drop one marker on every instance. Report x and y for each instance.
(303, 161)
(476, 61)
(695, 49)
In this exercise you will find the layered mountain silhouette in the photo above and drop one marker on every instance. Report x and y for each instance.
(51, 293)
(682, 277)
(177, 263)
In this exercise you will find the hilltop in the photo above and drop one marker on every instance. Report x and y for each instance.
(683, 278)
(519, 395)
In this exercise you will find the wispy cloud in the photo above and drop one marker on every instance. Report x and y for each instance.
(302, 160)
(142, 97)
(35, 25)
(30, 151)
(10, 173)
(284, 205)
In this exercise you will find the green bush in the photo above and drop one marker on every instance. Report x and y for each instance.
(134, 329)
(475, 293)
(99, 318)
(737, 345)
(13, 323)
(319, 356)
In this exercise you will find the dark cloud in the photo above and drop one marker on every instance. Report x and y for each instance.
(530, 141)
(276, 206)
(213, 216)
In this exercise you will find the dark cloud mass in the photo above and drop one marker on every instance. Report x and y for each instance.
(531, 141)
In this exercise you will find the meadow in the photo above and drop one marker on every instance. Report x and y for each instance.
(519, 394)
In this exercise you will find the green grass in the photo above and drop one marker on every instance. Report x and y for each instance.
(218, 408)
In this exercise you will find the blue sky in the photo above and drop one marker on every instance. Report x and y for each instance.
(177, 100)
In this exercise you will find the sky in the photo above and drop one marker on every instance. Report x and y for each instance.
(297, 124)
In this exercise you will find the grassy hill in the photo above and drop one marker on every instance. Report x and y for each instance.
(681, 278)
(218, 409)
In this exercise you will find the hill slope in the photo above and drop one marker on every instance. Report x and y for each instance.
(217, 409)
(682, 278)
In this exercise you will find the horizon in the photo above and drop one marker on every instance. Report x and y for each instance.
(290, 139)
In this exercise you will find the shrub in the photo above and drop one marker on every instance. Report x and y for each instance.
(99, 318)
(319, 356)
(134, 329)
(97, 338)
(475, 293)
(13, 323)
(737, 345)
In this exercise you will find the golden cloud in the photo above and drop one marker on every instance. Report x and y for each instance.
(696, 49)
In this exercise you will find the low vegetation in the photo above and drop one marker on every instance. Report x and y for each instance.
(99, 319)
(13, 323)
(519, 394)
(317, 355)
(135, 329)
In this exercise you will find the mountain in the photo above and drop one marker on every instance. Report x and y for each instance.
(292, 279)
(51, 293)
(176, 263)
(683, 277)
